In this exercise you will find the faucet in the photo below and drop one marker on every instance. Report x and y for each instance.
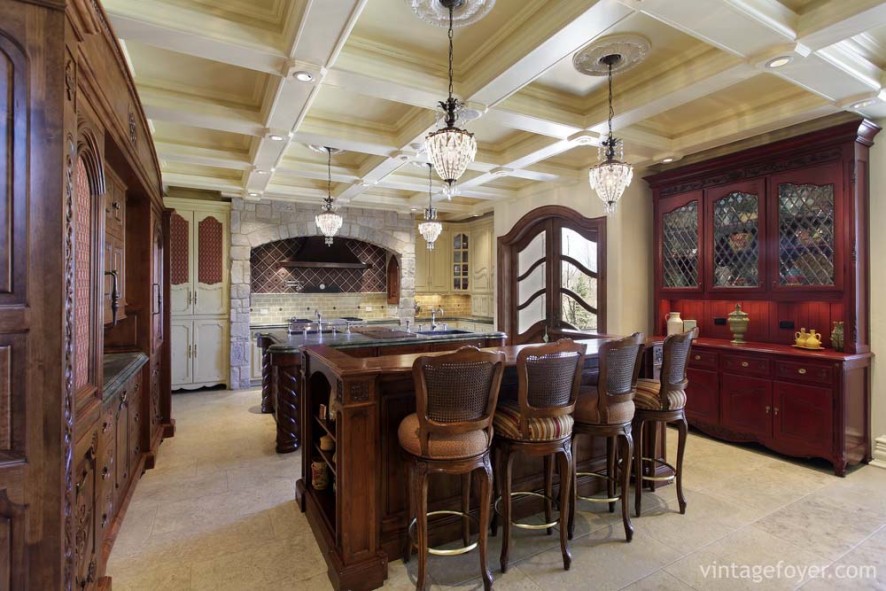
(434, 313)
(319, 322)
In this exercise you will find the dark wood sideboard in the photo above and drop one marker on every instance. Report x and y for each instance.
(781, 229)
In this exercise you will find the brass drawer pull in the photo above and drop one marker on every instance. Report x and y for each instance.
(801, 371)
(744, 363)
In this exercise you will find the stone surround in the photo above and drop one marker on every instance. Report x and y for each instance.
(256, 223)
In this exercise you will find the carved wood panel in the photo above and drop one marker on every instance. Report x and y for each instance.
(12, 544)
(12, 396)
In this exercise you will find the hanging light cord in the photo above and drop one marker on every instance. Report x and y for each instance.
(328, 180)
(451, 104)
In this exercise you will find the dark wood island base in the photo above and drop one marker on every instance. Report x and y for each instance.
(359, 518)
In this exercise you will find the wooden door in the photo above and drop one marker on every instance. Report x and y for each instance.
(735, 225)
(210, 351)
(746, 406)
(702, 396)
(210, 252)
(107, 467)
(679, 239)
(803, 418)
(181, 271)
(182, 343)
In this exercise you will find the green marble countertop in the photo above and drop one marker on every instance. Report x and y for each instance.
(119, 369)
(288, 343)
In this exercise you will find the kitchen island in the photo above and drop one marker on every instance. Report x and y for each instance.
(359, 516)
(282, 360)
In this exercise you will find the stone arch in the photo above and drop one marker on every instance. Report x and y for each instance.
(256, 224)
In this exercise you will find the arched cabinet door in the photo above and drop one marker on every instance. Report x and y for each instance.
(210, 263)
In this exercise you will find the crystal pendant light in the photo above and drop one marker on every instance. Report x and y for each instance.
(612, 176)
(430, 228)
(328, 222)
(451, 148)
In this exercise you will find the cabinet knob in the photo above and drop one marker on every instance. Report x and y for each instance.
(775, 410)
(744, 363)
(767, 410)
(697, 357)
(801, 371)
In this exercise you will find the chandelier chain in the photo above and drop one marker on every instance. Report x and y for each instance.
(450, 53)
(328, 174)
(611, 110)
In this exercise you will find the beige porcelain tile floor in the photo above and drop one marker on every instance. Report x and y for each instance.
(218, 513)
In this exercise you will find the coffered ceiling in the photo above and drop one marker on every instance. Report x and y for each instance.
(217, 81)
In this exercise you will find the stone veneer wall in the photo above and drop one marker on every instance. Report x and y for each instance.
(253, 224)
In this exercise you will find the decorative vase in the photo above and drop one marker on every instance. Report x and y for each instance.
(675, 323)
(837, 336)
(738, 324)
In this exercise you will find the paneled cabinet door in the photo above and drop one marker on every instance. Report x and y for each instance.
(702, 396)
(182, 343)
(210, 291)
(734, 244)
(803, 418)
(210, 350)
(482, 259)
(462, 262)
(86, 552)
(422, 265)
(440, 280)
(107, 468)
(746, 405)
(181, 239)
(121, 428)
(134, 446)
(808, 220)
(681, 236)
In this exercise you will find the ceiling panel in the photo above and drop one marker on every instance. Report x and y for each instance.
(265, 13)
(174, 133)
(339, 104)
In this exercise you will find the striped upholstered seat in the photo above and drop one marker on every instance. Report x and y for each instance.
(648, 396)
(507, 424)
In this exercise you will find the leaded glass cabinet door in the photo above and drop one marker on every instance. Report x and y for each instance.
(680, 258)
(809, 229)
(736, 217)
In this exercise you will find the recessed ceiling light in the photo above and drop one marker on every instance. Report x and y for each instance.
(862, 104)
(253, 194)
(276, 138)
(667, 160)
(778, 62)
(501, 171)
(582, 138)
(262, 171)
(303, 76)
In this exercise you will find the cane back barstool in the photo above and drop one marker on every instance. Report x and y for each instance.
(450, 433)
(663, 401)
(539, 423)
(606, 410)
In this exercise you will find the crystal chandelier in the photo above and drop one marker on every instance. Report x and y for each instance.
(430, 228)
(451, 148)
(328, 222)
(612, 176)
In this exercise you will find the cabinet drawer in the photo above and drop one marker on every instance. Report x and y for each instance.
(817, 373)
(744, 365)
(705, 359)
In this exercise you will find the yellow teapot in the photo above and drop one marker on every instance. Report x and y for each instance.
(801, 337)
(813, 340)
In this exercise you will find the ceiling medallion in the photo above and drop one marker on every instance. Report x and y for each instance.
(593, 59)
(464, 12)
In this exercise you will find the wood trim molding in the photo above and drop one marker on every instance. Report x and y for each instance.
(879, 452)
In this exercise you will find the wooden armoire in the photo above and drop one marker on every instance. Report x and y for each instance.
(84, 362)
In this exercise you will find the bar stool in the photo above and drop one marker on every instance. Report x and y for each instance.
(450, 433)
(606, 410)
(539, 423)
(663, 401)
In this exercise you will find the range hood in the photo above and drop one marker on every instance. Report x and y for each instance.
(315, 253)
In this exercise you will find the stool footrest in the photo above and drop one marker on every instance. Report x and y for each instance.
(497, 507)
(654, 462)
(598, 499)
(446, 552)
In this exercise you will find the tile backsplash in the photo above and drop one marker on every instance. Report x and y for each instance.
(453, 305)
(278, 308)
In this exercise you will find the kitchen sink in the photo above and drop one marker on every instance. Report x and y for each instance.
(442, 332)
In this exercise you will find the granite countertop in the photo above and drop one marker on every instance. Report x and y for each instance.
(118, 368)
(288, 343)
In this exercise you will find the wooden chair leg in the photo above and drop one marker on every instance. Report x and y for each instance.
(574, 500)
(507, 465)
(466, 507)
(682, 430)
(485, 502)
(627, 444)
(549, 491)
(566, 469)
(496, 482)
(610, 471)
(421, 507)
(410, 513)
(638, 466)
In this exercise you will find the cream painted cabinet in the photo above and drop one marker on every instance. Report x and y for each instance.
(432, 269)
(254, 357)
(199, 352)
(199, 292)
(482, 254)
(461, 261)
